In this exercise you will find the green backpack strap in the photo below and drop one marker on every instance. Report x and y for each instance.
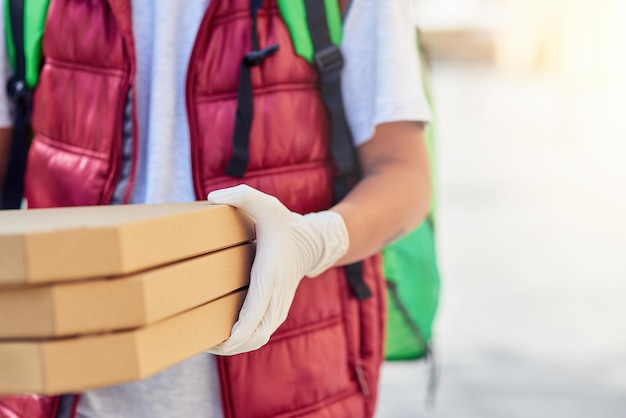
(294, 14)
(26, 31)
(24, 22)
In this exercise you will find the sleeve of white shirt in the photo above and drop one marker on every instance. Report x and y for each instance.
(381, 80)
(5, 72)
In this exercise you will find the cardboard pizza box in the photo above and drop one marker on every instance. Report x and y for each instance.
(138, 299)
(71, 365)
(59, 244)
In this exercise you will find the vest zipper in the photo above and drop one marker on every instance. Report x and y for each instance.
(360, 377)
(118, 165)
(130, 88)
(190, 100)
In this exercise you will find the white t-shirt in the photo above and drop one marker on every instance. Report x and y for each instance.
(381, 83)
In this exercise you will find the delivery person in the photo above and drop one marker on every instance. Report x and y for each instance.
(137, 102)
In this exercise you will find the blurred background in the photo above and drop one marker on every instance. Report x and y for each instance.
(530, 112)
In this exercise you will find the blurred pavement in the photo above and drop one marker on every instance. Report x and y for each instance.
(532, 236)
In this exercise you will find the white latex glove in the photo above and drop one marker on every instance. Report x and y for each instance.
(289, 247)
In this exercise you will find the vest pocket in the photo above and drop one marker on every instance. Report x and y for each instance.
(307, 371)
(77, 117)
(58, 174)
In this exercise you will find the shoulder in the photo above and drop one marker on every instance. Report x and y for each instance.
(384, 12)
(382, 75)
(381, 27)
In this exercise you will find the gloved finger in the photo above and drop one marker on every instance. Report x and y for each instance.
(253, 310)
(237, 342)
(234, 196)
(258, 339)
(260, 206)
(274, 317)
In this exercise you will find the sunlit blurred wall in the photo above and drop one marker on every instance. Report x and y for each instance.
(437, 15)
(582, 43)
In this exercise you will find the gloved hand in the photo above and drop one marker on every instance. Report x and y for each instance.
(289, 247)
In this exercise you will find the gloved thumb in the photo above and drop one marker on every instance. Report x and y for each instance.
(258, 205)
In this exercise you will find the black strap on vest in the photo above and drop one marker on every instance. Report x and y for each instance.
(18, 92)
(329, 63)
(245, 104)
(66, 406)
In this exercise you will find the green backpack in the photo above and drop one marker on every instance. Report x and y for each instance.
(33, 19)
(410, 267)
(409, 264)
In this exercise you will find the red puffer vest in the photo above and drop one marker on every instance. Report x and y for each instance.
(324, 360)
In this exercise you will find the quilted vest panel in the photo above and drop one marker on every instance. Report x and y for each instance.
(78, 105)
(28, 406)
(288, 143)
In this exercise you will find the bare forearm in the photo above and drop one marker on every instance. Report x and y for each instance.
(5, 146)
(394, 195)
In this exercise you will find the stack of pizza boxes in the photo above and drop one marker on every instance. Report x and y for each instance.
(96, 296)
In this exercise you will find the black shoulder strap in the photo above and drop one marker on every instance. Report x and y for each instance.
(238, 163)
(329, 63)
(16, 15)
(18, 92)
(66, 405)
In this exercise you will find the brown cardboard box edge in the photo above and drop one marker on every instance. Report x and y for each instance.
(73, 308)
(75, 251)
(78, 364)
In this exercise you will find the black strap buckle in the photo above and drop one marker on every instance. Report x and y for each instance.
(329, 61)
(19, 93)
(22, 98)
(256, 57)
